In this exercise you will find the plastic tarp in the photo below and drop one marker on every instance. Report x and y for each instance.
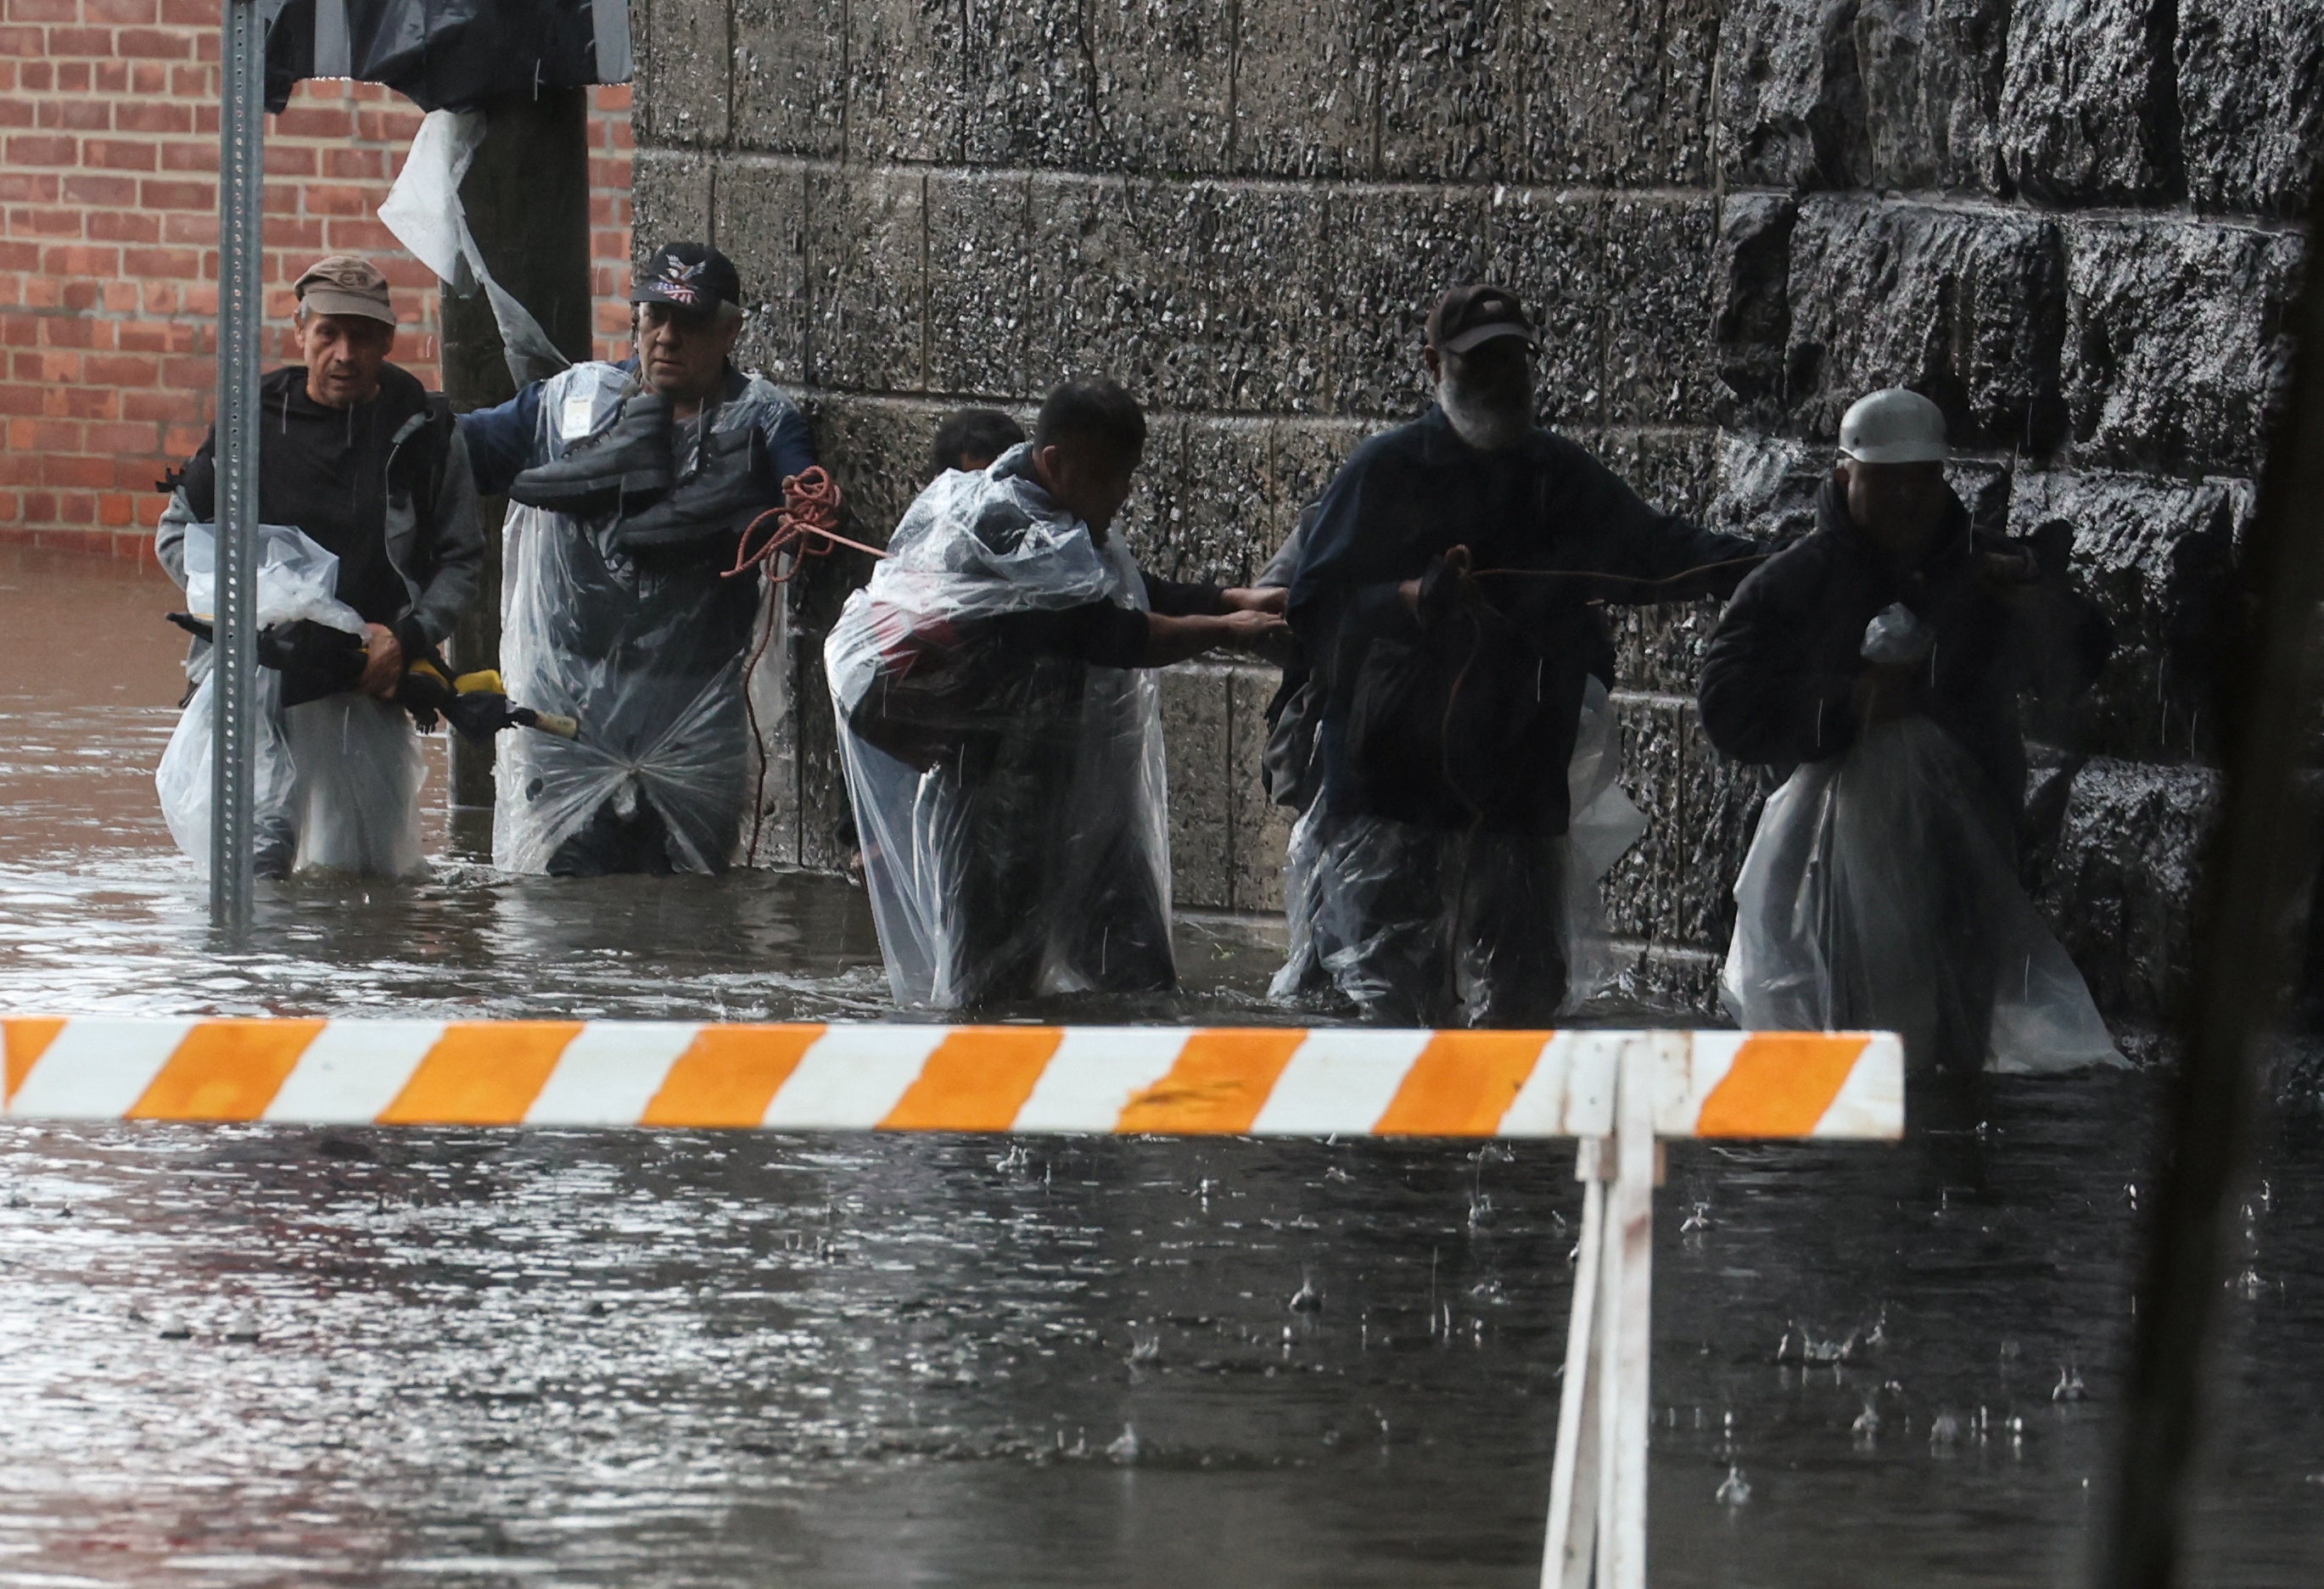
(648, 652)
(338, 779)
(447, 54)
(1881, 891)
(1011, 808)
(1417, 925)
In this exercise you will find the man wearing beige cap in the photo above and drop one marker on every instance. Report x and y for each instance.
(1877, 665)
(362, 460)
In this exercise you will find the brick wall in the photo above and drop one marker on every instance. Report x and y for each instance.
(2074, 223)
(108, 246)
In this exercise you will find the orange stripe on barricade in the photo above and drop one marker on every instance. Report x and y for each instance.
(1780, 1084)
(224, 1070)
(975, 1081)
(728, 1075)
(482, 1073)
(26, 1036)
(1461, 1084)
(1218, 1085)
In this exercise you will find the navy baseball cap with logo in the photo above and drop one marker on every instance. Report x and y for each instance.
(687, 276)
(1467, 317)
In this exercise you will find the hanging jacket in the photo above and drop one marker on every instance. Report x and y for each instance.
(1781, 671)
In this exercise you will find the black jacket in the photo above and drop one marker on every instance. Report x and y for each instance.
(1502, 688)
(1780, 672)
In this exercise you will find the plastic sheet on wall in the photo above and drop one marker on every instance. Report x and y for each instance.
(1012, 808)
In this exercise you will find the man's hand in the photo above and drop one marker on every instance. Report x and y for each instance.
(382, 662)
(1260, 598)
(1456, 563)
(2010, 576)
(1251, 629)
(1885, 692)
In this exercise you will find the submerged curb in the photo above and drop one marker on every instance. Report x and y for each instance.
(1126, 1080)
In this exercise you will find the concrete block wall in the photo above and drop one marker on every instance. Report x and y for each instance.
(2073, 223)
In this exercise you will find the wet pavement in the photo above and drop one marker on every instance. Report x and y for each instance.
(272, 1356)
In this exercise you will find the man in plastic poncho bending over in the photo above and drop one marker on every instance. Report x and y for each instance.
(631, 485)
(1000, 726)
(1877, 665)
(357, 462)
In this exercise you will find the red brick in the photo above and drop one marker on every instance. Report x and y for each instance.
(164, 405)
(198, 228)
(355, 165)
(114, 192)
(78, 115)
(184, 441)
(78, 469)
(121, 369)
(19, 256)
(45, 436)
(152, 44)
(80, 296)
(119, 225)
(116, 508)
(24, 43)
(310, 121)
(359, 236)
(43, 222)
(190, 154)
(74, 77)
(37, 77)
(190, 372)
(336, 198)
(152, 116)
(122, 13)
(117, 154)
(18, 397)
(287, 159)
(40, 505)
(293, 234)
(27, 188)
(42, 148)
(76, 508)
(81, 259)
(14, 112)
(118, 436)
(44, 11)
(189, 14)
(89, 41)
(120, 297)
(171, 263)
(200, 195)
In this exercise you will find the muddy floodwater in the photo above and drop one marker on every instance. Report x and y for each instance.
(265, 1355)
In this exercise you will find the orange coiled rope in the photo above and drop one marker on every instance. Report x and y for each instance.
(805, 526)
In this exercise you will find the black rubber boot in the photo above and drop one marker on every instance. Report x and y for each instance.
(724, 493)
(628, 461)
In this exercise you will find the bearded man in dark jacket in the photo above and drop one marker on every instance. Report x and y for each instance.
(1447, 597)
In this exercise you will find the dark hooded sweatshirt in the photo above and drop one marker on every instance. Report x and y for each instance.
(1779, 676)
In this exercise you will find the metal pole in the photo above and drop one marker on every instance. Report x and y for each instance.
(241, 307)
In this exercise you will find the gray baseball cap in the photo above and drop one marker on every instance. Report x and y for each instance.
(345, 284)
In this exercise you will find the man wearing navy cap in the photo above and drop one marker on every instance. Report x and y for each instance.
(1447, 598)
(630, 486)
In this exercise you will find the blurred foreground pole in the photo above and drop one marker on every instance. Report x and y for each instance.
(526, 196)
(2252, 886)
(242, 129)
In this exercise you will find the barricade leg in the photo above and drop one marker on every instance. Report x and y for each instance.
(1598, 1486)
(1571, 1546)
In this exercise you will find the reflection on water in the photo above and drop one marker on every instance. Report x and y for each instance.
(269, 1355)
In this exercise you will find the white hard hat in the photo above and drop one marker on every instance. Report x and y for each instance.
(1895, 427)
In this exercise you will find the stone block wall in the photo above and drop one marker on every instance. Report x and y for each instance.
(2073, 223)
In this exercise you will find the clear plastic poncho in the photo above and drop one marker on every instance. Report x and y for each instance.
(338, 780)
(1881, 893)
(1011, 807)
(665, 665)
(1398, 918)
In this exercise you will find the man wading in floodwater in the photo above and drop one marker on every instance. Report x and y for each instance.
(356, 454)
(999, 720)
(1883, 658)
(636, 482)
(1446, 598)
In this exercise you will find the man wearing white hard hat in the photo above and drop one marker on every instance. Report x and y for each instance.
(1878, 666)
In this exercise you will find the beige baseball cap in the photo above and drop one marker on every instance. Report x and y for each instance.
(345, 284)
(1895, 427)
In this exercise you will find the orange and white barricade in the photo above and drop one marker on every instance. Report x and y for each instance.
(1618, 1092)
